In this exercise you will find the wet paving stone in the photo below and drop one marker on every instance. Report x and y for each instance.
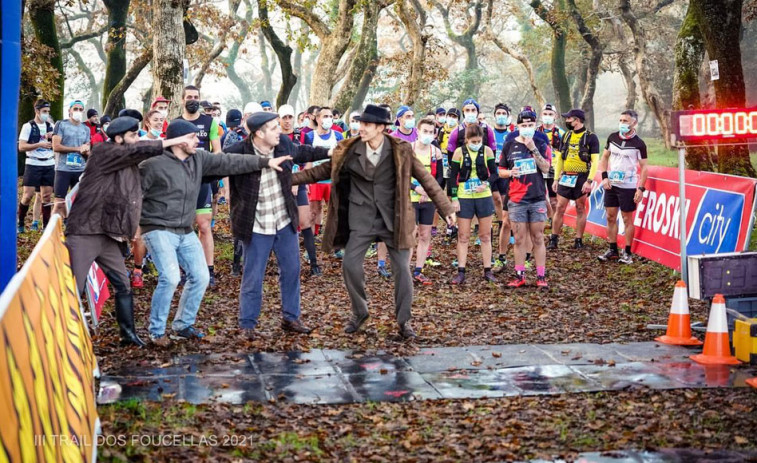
(397, 386)
(327, 389)
(332, 376)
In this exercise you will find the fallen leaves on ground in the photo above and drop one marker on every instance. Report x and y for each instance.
(514, 428)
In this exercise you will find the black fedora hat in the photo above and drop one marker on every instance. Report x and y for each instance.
(375, 114)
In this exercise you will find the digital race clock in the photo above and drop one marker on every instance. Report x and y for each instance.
(731, 125)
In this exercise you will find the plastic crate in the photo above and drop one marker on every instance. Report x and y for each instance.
(746, 306)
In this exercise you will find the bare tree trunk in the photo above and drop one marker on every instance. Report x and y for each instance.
(365, 85)
(595, 60)
(42, 15)
(117, 94)
(283, 52)
(553, 17)
(472, 82)
(540, 100)
(115, 66)
(644, 70)
(365, 54)
(334, 42)
(689, 57)
(219, 46)
(296, 64)
(630, 82)
(579, 81)
(414, 19)
(720, 23)
(168, 52)
(93, 99)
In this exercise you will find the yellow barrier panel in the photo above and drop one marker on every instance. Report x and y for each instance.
(47, 366)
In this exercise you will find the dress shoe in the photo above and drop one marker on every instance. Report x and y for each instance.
(295, 326)
(355, 324)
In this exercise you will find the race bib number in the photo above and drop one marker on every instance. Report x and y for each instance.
(526, 166)
(616, 176)
(568, 180)
(471, 185)
(74, 160)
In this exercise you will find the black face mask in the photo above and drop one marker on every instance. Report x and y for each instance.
(192, 106)
(569, 125)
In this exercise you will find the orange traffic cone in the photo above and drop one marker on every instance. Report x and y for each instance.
(679, 321)
(752, 382)
(717, 348)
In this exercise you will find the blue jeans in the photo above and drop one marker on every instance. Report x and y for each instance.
(285, 245)
(170, 250)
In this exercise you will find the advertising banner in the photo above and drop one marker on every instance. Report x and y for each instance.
(719, 211)
(47, 366)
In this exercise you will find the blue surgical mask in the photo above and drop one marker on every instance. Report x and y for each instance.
(475, 148)
(155, 133)
(548, 120)
(426, 139)
(452, 122)
(471, 118)
(409, 124)
(503, 120)
(527, 132)
(327, 123)
(354, 126)
(624, 128)
(442, 120)
(45, 117)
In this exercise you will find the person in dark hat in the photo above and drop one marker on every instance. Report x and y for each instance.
(236, 132)
(104, 216)
(92, 121)
(131, 113)
(101, 136)
(170, 186)
(575, 166)
(371, 175)
(265, 218)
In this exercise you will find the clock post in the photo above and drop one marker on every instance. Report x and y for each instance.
(707, 127)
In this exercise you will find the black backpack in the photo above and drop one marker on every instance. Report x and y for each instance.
(35, 136)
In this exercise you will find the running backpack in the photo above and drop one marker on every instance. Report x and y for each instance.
(35, 136)
(583, 147)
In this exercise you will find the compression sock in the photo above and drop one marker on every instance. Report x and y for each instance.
(309, 239)
(46, 211)
(541, 271)
(23, 209)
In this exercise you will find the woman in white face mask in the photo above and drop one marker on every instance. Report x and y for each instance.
(153, 125)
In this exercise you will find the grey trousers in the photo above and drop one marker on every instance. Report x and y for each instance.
(85, 249)
(354, 273)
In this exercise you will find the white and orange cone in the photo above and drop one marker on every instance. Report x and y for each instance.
(717, 348)
(679, 321)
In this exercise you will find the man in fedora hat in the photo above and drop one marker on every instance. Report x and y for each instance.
(370, 200)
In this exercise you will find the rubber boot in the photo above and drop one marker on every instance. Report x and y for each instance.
(125, 317)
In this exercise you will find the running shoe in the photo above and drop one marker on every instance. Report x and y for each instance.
(609, 255)
(136, 279)
(422, 279)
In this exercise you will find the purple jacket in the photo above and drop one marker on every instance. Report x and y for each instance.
(408, 138)
(456, 141)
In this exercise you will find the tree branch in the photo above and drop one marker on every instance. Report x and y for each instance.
(320, 28)
(82, 37)
(526, 64)
(131, 75)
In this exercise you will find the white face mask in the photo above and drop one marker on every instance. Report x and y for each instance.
(164, 113)
(77, 116)
(327, 123)
(426, 139)
(45, 117)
